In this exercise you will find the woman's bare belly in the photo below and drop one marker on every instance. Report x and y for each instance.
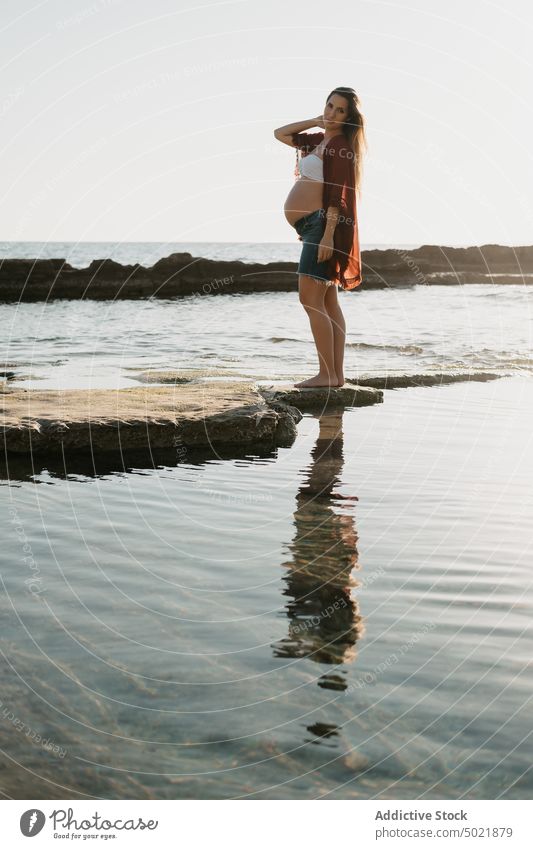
(304, 197)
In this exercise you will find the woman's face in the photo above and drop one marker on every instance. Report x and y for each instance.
(335, 112)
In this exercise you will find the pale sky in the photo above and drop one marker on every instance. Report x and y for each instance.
(125, 120)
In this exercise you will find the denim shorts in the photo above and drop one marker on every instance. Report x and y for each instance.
(310, 229)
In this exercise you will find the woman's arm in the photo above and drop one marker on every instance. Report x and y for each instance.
(325, 248)
(339, 176)
(332, 216)
(284, 134)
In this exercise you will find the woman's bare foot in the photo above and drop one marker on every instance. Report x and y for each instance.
(328, 380)
(340, 381)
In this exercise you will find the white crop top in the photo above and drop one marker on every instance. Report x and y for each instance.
(312, 167)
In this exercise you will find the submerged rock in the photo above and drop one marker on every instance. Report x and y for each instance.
(180, 375)
(403, 381)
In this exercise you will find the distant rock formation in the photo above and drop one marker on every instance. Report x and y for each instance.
(183, 274)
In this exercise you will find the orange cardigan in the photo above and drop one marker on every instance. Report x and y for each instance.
(339, 191)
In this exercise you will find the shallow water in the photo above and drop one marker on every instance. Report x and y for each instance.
(79, 344)
(346, 618)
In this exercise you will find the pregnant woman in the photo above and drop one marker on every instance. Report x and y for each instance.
(321, 206)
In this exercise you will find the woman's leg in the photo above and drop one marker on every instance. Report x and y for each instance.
(333, 309)
(312, 295)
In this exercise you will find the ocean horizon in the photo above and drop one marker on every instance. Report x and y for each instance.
(81, 254)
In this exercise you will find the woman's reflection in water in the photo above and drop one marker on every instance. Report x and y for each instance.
(324, 623)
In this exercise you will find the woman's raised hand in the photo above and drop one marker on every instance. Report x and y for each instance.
(319, 122)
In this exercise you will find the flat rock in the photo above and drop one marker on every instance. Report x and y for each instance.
(196, 415)
(319, 398)
(403, 381)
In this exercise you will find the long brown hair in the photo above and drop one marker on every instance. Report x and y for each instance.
(354, 130)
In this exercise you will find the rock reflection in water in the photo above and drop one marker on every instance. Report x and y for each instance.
(324, 620)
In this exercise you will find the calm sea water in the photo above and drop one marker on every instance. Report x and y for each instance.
(265, 336)
(346, 618)
(350, 617)
(106, 343)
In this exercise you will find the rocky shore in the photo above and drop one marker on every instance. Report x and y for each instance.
(175, 416)
(183, 274)
(205, 415)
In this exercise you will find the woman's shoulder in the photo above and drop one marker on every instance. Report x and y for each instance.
(339, 139)
(339, 150)
(339, 142)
